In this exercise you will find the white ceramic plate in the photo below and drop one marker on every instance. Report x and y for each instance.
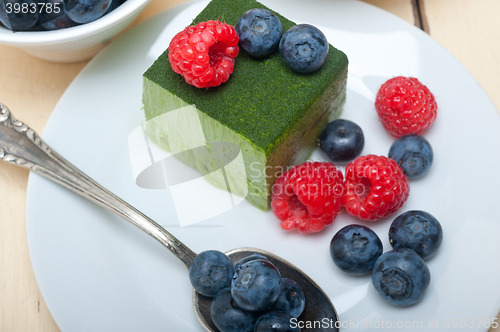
(98, 273)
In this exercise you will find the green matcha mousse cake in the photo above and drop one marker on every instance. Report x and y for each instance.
(273, 114)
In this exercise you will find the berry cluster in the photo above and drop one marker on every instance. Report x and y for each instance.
(252, 297)
(309, 196)
(377, 186)
(303, 47)
(374, 186)
(204, 54)
(406, 109)
(400, 276)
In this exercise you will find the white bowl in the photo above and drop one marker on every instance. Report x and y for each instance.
(77, 43)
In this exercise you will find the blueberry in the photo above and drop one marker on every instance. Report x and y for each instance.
(51, 20)
(401, 277)
(342, 140)
(249, 258)
(256, 285)
(276, 321)
(355, 249)
(304, 48)
(259, 31)
(413, 153)
(20, 21)
(291, 299)
(210, 272)
(85, 11)
(228, 317)
(38, 27)
(418, 231)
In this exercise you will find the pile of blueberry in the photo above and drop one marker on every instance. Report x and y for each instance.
(250, 297)
(303, 47)
(400, 276)
(41, 15)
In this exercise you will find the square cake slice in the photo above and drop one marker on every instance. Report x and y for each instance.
(272, 113)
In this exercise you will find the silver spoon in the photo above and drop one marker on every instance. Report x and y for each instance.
(21, 146)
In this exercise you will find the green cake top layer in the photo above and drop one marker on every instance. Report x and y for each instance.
(263, 98)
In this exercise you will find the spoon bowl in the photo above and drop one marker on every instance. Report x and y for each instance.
(318, 306)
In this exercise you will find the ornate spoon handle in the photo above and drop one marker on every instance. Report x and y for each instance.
(21, 146)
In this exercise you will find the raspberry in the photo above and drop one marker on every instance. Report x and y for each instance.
(204, 54)
(308, 197)
(405, 106)
(375, 187)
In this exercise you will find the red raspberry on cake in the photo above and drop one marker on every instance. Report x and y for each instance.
(204, 54)
(405, 106)
(375, 187)
(308, 197)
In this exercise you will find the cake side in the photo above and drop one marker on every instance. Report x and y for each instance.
(165, 132)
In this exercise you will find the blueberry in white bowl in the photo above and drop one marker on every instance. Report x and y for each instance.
(15, 17)
(57, 38)
(355, 249)
(55, 18)
(304, 48)
(401, 277)
(414, 154)
(85, 11)
(32, 15)
(259, 31)
(342, 141)
(419, 231)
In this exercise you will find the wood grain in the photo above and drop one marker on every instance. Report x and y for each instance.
(470, 30)
(419, 15)
(31, 88)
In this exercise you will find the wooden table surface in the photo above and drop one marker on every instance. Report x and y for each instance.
(469, 29)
